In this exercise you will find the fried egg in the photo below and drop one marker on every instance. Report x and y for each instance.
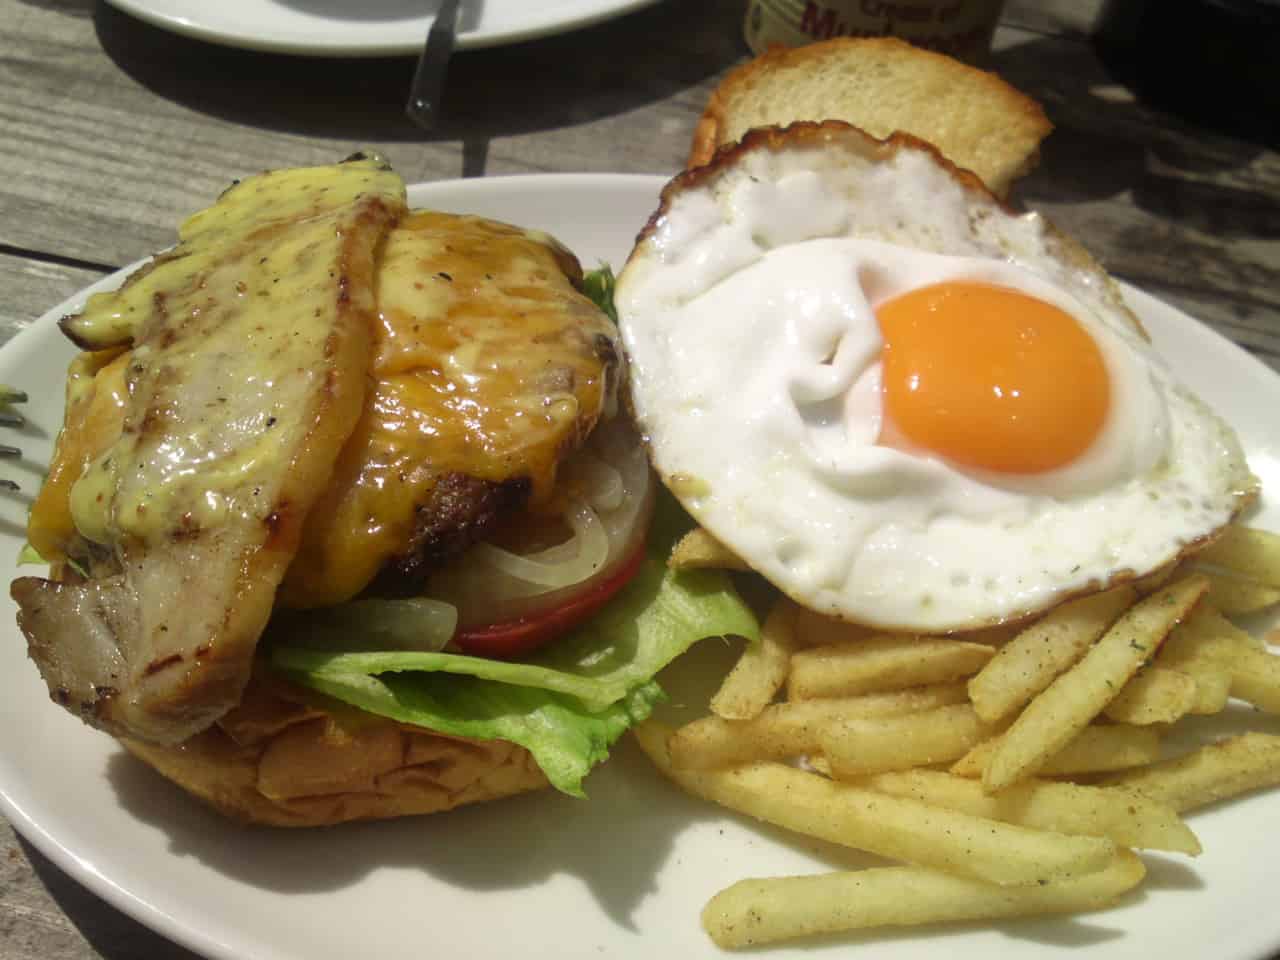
(902, 403)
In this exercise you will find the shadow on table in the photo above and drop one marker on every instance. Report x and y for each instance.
(1107, 142)
(108, 931)
(558, 81)
(72, 8)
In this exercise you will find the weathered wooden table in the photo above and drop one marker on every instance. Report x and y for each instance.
(112, 130)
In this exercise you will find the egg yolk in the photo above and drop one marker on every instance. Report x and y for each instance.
(989, 377)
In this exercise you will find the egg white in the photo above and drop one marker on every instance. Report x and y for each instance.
(747, 317)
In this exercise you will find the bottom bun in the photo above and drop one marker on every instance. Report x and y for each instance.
(287, 759)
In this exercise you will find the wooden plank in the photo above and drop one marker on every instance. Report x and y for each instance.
(42, 911)
(115, 129)
(32, 287)
(120, 129)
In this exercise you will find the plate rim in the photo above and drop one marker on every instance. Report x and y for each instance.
(400, 37)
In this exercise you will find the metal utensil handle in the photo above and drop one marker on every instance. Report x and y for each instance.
(428, 77)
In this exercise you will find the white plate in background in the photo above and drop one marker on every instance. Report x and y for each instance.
(624, 874)
(366, 28)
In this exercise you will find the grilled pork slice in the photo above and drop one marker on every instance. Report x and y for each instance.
(249, 347)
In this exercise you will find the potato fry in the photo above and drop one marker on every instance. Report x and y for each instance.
(1215, 772)
(698, 549)
(886, 662)
(1207, 631)
(1072, 701)
(1095, 749)
(1237, 596)
(893, 827)
(866, 745)
(1030, 661)
(1124, 815)
(754, 912)
(1206, 662)
(1213, 688)
(761, 670)
(815, 630)
(1156, 695)
(994, 636)
(1246, 551)
(1208, 635)
(790, 729)
(1157, 578)
(1255, 677)
(873, 715)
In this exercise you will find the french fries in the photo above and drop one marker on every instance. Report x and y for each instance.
(895, 827)
(1075, 698)
(853, 753)
(1238, 595)
(813, 630)
(873, 744)
(1126, 816)
(698, 548)
(761, 670)
(1246, 552)
(1256, 679)
(1030, 661)
(1189, 650)
(885, 662)
(1211, 773)
(1156, 695)
(1095, 749)
(1210, 639)
(755, 912)
(791, 729)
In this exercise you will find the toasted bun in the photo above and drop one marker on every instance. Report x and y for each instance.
(285, 759)
(882, 85)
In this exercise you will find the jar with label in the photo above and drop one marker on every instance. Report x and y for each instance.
(959, 28)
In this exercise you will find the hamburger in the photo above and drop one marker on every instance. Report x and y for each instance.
(345, 519)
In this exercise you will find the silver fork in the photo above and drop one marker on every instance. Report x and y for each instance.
(10, 418)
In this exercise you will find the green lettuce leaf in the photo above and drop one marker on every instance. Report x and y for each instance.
(30, 556)
(565, 739)
(598, 284)
(566, 705)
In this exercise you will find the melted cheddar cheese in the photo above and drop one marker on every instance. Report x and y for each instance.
(487, 362)
(96, 398)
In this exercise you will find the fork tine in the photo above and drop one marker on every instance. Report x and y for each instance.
(10, 418)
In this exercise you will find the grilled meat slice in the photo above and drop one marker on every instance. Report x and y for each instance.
(250, 345)
(458, 511)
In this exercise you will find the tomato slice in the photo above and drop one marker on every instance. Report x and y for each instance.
(514, 638)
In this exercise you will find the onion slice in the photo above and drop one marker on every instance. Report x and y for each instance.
(610, 494)
(557, 566)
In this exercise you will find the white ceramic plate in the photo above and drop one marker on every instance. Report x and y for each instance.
(371, 28)
(622, 875)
